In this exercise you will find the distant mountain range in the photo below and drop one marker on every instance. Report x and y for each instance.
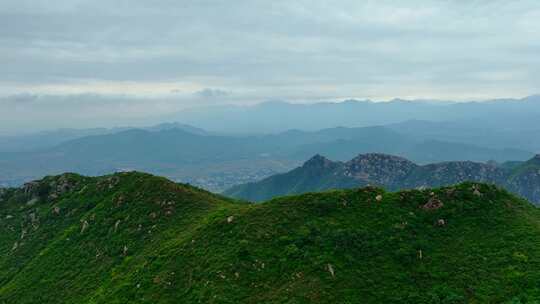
(51, 138)
(393, 173)
(217, 162)
(232, 145)
(501, 115)
(500, 123)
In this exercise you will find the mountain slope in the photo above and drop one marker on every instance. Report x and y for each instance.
(393, 173)
(141, 239)
(66, 234)
(48, 139)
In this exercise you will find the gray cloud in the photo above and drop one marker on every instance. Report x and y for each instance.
(212, 93)
(295, 50)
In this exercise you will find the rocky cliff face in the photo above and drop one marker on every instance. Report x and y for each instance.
(395, 173)
(380, 169)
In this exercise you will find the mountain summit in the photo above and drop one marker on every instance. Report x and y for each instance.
(380, 169)
(319, 162)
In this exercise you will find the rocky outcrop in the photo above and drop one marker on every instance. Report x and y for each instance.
(379, 169)
(50, 187)
(63, 184)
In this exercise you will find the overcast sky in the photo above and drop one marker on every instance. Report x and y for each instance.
(110, 60)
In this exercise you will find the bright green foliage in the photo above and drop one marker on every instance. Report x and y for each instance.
(136, 238)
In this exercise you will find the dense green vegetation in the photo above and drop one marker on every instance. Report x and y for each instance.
(137, 238)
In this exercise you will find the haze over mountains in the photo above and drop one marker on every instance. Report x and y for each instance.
(279, 116)
(217, 159)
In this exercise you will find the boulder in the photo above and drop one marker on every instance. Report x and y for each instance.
(433, 204)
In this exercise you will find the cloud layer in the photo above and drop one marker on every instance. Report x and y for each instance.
(185, 53)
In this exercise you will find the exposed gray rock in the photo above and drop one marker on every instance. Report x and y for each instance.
(331, 270)
(85, 226)
(32, 201)
(31, 188)
(116, 225)
(433, 204)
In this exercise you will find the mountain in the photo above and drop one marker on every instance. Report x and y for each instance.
(393, 173)
(137, 238)
(172, 152)
(217, 162)
(177, 126)
(479, 134)
(502, 114)
(47, 139)
(51, 138)
(499, 123)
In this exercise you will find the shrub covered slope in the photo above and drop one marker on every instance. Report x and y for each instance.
(137, 238)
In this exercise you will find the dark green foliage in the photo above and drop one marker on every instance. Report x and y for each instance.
(136, 238)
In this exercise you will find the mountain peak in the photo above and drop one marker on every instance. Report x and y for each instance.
(379, 157)
(321, 163)
(379, 168)
(318, 161)
(535, 160)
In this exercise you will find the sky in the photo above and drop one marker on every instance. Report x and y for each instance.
(104, 62)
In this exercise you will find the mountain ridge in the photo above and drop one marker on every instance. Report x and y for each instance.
(517, 113)
(137, 238)
(393, 173)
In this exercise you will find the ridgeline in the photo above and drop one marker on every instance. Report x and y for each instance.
(137, 238)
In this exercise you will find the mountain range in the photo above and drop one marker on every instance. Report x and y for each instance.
(51, 138)
(492, 116)
(232, 145)
(136, 238)
(393, 173)
(217, 162)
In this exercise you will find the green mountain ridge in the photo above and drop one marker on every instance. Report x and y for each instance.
(138, 238)
(392, 173)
